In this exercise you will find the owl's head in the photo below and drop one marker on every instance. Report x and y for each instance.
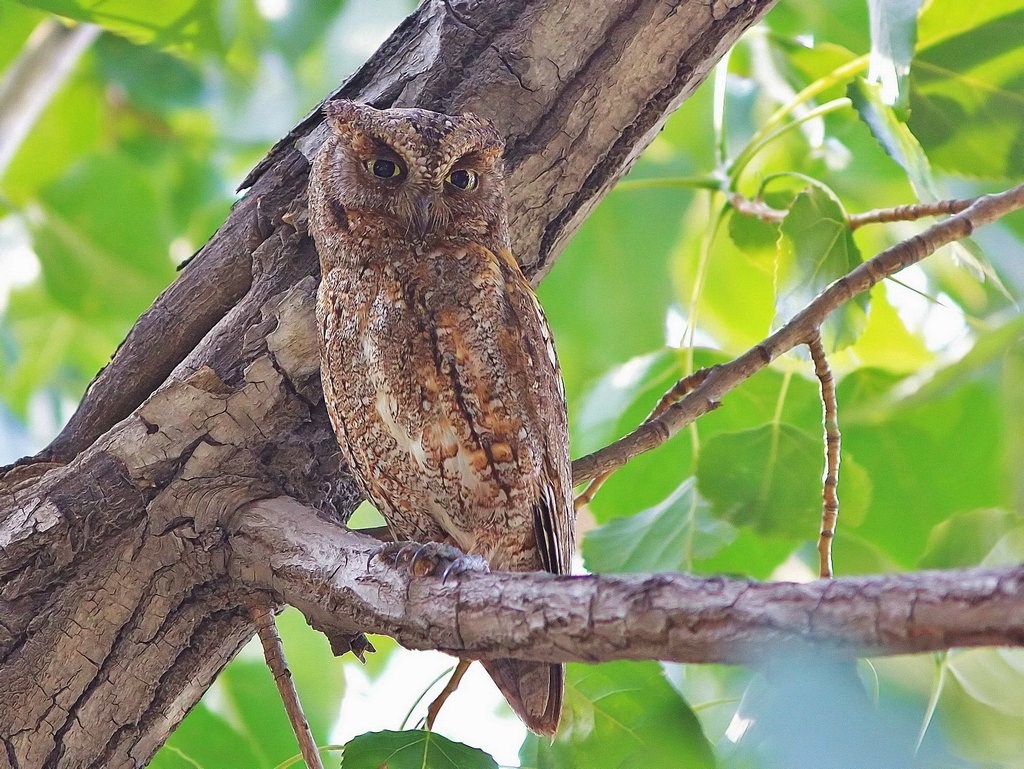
(413, 173)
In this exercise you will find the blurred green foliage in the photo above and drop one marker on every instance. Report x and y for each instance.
(133, 164)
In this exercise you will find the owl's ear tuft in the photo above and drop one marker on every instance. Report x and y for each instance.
(488, 130)
(342, 114)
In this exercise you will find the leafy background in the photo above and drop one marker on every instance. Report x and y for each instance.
(825, 108)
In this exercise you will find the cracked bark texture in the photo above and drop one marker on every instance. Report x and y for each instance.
(278, 545)
(121, 594)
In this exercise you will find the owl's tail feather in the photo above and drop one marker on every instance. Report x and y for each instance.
(533, 689)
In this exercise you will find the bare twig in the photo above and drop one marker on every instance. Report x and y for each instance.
(724, 378)
(320, 568)
(830, 478)
(677, 391)
(273, 651)
(31, 81)
(449, 689)
(909, 213)
(757, 207)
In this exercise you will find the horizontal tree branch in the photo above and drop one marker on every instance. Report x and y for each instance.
(722, 379)
(329, 574)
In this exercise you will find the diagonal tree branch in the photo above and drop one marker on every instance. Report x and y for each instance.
(579, 92)
(726, 377)
(327, 573)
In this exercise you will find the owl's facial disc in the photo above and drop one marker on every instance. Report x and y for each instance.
(435, 175)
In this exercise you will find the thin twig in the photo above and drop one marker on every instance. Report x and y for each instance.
(35, 76)
(909, 213)
(757, 207)
(727, 376)
(273, 651)
(446, 692)
(677, 391)
(830, 478)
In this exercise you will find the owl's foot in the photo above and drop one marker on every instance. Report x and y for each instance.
(426, 559)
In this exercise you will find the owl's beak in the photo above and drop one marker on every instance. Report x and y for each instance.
(423, 213)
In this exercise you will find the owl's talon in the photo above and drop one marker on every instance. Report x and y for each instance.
(430, 559)
(464, 564)
(421, 552)
(394, 552)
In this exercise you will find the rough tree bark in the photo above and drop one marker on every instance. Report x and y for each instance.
(120, 596)
(278, 545)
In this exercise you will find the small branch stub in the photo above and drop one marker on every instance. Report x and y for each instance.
(830, 478)
(679, 390)
(273, 651)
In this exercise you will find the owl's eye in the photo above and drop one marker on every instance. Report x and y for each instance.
(384, 169)
(462, 178)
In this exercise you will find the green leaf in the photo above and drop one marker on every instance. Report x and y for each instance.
(151, 79)
(893, 135)
(769, 478)
(626, 242)
(715, 286)
(809, 705)
(70, 127)
(902, 146)
(64, 350)
(851, 553)
(16, 24)
(412, 750)
(1008, 551)
(967, 87)
(755, 237)
(621, 715)
(934, 452)
(886, 343)
(666, 537)
(626, 394)
(994, 677)
(617, 403)
(893, 33)
(804, 61)
(1012, 401)
(209, 741)
(95, 249)
(816, 248)
(964, 539)
(840, 23)
(169, 23)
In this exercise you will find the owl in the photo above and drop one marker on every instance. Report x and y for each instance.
(439, 373)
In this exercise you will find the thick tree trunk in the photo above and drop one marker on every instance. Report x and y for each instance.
(120, 594)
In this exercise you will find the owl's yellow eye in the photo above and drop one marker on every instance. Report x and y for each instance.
(463, 179)
(384, 169)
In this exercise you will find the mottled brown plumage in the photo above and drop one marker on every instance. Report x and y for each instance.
(439, 373)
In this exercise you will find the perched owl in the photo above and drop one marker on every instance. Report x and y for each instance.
(438, 369)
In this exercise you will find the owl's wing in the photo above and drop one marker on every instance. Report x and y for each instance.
(553, 515)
